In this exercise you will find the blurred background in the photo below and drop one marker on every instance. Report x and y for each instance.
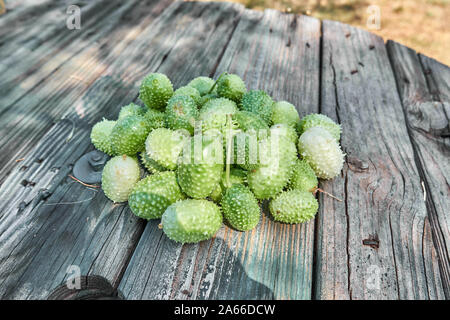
(419, 24)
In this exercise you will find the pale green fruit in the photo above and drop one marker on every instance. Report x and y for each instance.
(164, 146)
(202, 84)
(303, 177)
(236, 176)
(119, 176)
(191, 220)
(152, 195)
(285, 112)
(188, 91)
(151, 165)
(181, 113)
(320, 149)
(154, 119)
(285, 130)
(232, 87)
(156, 89)
(101, 136)
(294, 206)
(214, 114)
(247, 120)
(131, 109)
(319, 120)
(240, 208)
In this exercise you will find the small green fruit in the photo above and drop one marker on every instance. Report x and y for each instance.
(181, 113)
(294, 206)
(188, 91)
(240, 208)
(285, 112)
(152, 195)
(319, 120)
(190, 221)
(236, 176)
(128, 135)
(154, 119)
(164, 146)
(151, 165)
(156, 89)
(258, 102)
(231, 86)
(303, 177)
(131, 110)
(247, 120)
(119, 176)
(202, 84)
(285, 131)
(101, 136)
(320, 149)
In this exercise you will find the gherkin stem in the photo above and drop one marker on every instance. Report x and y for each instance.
(215, 83)
(328, 194)
(228, 164)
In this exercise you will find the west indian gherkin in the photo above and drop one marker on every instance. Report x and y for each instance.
(154, 119)
(286, 131)
(321, 150)
(207, 97)
(151, 165)
(240, 207)
(285, 112)
(274, 170)
(191, 220)
(101, 136)
(152, 195)
(247, 120)
(181, 113)
(119, 176)
(156, 89)
(319, 120)
(200, 166)
(236, 176)
(202, 84)
(214, 114)
(164, 146)
(303, 177)
(188, 91)
(294, 206)
(131, 109)
(246, 150)
(129, 134)
(231, 86)
(258, 102)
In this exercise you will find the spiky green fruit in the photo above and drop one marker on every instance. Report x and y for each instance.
(222, 104)
(207, 97)
(119, 176)
(202, 84)
(294, 206)
(181, 113)
(154, 119)
(240, 208)
(214, 114)
(236, 176)
(319, 120)
(164, 146)
(131, 109)
(231, 86)
(285, 112)
(303, 177)
(320, 149)
(156, 89)
(200, 166)
(188, 91)
(246, 150)
(286, 131)
(129, 134)
(258, 102)
(274, 170)
(247, 120)
(101, 136)
(152, 195)
(190, 221)
(151, 165)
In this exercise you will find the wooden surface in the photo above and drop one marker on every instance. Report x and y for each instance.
(389, 239)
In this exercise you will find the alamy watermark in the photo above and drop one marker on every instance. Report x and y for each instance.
(73, 21)
(374, 17)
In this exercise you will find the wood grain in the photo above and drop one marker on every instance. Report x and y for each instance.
(423, 84)
(274, 260)
(49, 222)
(380, 183)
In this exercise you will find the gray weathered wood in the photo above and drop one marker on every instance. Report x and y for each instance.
(273, 260)
(379, 234)
(426, 103)
(47, 221)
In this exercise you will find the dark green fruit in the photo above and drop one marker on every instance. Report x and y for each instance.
(152, 195)
(236, 176)
(294, 206)
(156, 89)
(151, 165)
(128, 135)
(240, 208)
(247, 120)
(303, 177)
(191, 220)
(154, 119)
(258, 102)
(231, 86)
(181, 113)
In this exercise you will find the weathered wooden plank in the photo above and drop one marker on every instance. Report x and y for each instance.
(375, 244)
(426, 104)
(273, 260)
(32, 105)
(41, 233)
